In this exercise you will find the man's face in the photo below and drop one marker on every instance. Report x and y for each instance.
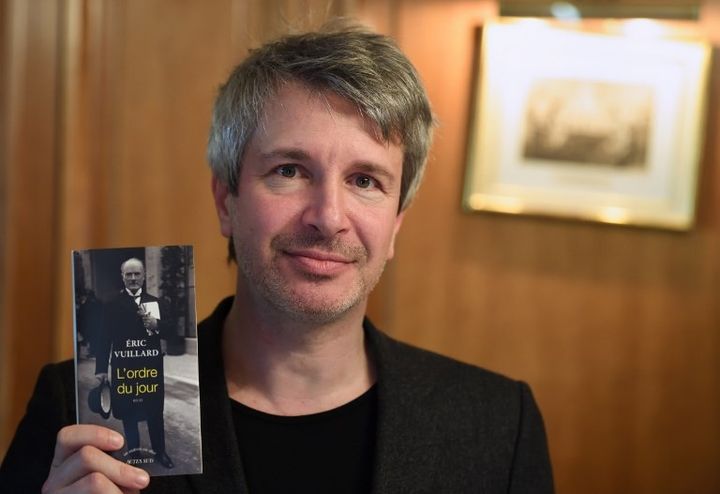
(316, 210)
(133, 275)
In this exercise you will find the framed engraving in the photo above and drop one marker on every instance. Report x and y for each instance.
(586, 125)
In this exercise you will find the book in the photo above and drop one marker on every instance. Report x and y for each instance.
(136, 353)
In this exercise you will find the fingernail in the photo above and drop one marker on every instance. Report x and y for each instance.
(116, 439)
(141, 478)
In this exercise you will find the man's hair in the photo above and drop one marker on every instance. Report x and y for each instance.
(365, 68)
(132, 259)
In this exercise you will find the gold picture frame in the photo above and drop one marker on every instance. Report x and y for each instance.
(586, 125)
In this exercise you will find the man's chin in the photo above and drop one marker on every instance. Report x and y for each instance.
(316, 309)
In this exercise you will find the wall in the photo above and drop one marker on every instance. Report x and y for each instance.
(105, 109)
(30, 58)
(616, 329)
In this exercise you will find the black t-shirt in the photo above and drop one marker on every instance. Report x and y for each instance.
(327, 452)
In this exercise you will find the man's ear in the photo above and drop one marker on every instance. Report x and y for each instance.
(396, 229)
(222, 197)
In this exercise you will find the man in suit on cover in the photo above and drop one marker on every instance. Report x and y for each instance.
(317, 146)
(129, 339)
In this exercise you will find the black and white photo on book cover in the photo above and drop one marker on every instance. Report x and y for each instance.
(136, 353)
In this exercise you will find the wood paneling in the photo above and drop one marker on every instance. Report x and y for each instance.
(29, 78)
(616, 329)
(138, 105)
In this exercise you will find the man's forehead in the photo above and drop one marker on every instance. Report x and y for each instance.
(132, 266)
(333, 102)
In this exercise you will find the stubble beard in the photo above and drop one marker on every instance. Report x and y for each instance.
(311, 305)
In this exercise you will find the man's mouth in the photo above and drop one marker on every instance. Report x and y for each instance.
(318, 257)
(317, 262)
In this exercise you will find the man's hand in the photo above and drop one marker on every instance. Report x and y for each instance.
(150, 322)
(80, 463)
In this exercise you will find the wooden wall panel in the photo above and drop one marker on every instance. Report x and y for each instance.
(30, 60)
(4, 125)
(616, 329)
(139, 100)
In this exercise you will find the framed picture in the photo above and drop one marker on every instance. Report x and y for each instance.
(586, 125)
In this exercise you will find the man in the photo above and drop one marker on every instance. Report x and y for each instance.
(135, 320)
(317, 146)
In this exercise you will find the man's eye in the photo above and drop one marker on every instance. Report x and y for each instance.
(364, 182)
(287, 171)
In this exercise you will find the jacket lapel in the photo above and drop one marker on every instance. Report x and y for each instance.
(405, 443)
(222, 465)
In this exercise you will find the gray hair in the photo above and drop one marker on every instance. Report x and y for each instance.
(366, 68)
(132, 259)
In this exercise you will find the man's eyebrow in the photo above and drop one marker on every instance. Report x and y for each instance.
(286, 153)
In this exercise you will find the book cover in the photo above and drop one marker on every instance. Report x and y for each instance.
(136, 353)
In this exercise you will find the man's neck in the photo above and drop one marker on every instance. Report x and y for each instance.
(286, 367)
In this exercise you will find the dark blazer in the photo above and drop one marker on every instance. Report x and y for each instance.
(443, 426)
(121, 323)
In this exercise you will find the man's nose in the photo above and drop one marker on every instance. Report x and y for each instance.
(326, 210)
